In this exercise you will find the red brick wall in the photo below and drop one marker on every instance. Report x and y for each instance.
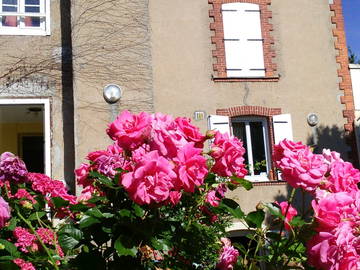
(218, 35)
(344, 74)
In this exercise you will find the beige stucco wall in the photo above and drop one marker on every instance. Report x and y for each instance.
(305, 56)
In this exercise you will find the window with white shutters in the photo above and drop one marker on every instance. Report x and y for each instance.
(24, 17)
(243, 40)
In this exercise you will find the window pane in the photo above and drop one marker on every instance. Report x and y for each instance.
(32, 2)
(258, 147)
(32, 21)
(9, 21)
(32, 9)
(9, 8)
(9, 2)
(240, 132)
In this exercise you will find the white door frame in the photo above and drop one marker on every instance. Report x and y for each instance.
(47, 123)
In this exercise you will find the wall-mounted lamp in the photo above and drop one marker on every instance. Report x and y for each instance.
(112, 93)
(312, 119)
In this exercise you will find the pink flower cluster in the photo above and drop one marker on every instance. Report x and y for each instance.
(12, 168)
(23, 264)
(160, 157)
(334, 183)
(228, 256)
(28, 242)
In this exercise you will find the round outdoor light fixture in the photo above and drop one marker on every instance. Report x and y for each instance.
(312, 119)
(112, 93)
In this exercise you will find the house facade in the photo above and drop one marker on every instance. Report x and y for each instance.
(259, 69)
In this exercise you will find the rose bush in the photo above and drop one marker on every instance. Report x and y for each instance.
(155, 199)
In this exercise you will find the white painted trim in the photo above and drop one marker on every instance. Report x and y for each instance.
(47, 124)
(354, 66)
(21, 29)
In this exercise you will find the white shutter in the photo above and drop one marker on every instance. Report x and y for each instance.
(243, 40)
(282, 127)
(220, 123)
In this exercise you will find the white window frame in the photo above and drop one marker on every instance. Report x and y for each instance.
(243, 41)
(21, 29)
(247, 119)
(47, 124)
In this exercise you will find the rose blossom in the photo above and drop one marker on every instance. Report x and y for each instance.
(82, 175)
(175, 197)
(213, 197)
(130, 130)
(12, 168)
(228, 155)
(151, 180)
(228, 258)
(190, 132)
(191, 168)
(285, 147)
(288, 212)
(166, 137)
(4, 212)
(303, 169)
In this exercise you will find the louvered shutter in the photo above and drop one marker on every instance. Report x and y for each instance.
(282, 127)
(243, 40)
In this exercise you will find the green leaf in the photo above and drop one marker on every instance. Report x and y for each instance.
(160, 244)
(233, 208)
(274, 210)
(87, 221)
(59, 202)
(102, 179)
(71, 231)
(244, 183)
(125, 213)
(12, 224)
(123, 248)
(33, 216)
(10, 247)
(297, 221)
(138, 210)
(67, 242)
(255, 219)
(108, 215)
(79, 207)
(7, 258)
(94, 212)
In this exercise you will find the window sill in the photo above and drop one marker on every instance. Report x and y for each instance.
(23, 32)
(248, 79)
(269, 183)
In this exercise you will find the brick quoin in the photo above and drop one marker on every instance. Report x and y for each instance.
(256, 111)
(343, 72)
(218, 39)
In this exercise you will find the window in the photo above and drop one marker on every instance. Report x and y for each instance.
(25, 17)
(253, 132)
(241, 33)
(243, 40)
(258, 133)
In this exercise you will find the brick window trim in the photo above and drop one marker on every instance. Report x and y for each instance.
(218, 39)
(266, 112)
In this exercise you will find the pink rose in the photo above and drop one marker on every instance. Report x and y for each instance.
(166, 136)
(285, 147)
(213, 197)
(4, 212)
(175, 197)
(191, 168)
(228, 258)
(81, 175)
(130, 130)
(151, 180)
(343, 177)
(303, 169)
(331, 156)
(288, 212)
(190, 132)
(228, 155)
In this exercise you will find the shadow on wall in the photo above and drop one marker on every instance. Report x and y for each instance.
(327, 137)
